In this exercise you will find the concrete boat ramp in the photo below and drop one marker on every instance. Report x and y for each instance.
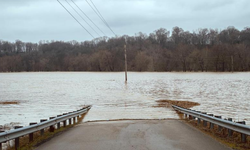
(133, 134)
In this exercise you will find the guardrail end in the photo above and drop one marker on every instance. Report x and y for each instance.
(17, 127)
(241, 122)
(210, 115)
(52, 117)
(33, 123)
(42, 120)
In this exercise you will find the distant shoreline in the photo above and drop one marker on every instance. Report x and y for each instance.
(128, 71)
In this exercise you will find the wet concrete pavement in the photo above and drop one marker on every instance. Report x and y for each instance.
(133, 134)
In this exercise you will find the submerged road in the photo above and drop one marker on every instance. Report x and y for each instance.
(134, 134)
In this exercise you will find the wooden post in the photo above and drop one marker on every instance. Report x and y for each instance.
(17, 144)
(74, 120)
(204, 123)
(1, 143)
(243, 136)
(42, 130)
(230, 132)
(199, 121)
(17, 140)
(31, 135)
(211, 124)
(125, 55)
(69, 121)
(51, 128)
(64, 123)
(78, 118)
(58, 124)
(219, 127)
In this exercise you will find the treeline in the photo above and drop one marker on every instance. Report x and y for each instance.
(202, 50)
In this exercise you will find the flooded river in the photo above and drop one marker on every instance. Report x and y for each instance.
(42, 95)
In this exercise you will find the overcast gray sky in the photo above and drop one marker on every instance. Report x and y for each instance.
(35, 20)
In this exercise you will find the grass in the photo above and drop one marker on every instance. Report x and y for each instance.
(38, 139)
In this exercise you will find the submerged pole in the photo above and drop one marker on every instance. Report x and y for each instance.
(232, 63)
(125, 55)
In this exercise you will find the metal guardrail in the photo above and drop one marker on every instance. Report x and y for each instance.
(16, 133)
(234, 126)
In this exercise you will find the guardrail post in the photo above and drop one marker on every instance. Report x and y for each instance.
(190, 117)
(42, 130)
(58, 124)
(31, 135)
(219, 127)
(51, 128)
(74, 120)
(17, 142)
(211, 124)
(1, 143)
(230, 132)
(199, 121)
(185, 115)
(204, 121)
(78, 118)
(69, 121)
(65, 121)
(243, 136)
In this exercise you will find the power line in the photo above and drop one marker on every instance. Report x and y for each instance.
(100, 16)
(75, 18)
(96, 12)
(99, 12)
(82, 18)
(88, 17)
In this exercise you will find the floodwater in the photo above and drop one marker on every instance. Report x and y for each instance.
(45, 94)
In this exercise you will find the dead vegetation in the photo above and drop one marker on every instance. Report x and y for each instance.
(169, 103)
(233, 142)
(9, 126)
(222, 135)
(9, 102)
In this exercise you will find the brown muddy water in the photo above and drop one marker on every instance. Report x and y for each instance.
(45, 94)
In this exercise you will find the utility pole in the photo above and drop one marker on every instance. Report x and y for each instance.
(206, 59)
(232, 63)
(125, 55)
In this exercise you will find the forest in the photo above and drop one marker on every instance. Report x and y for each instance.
(202, 50)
